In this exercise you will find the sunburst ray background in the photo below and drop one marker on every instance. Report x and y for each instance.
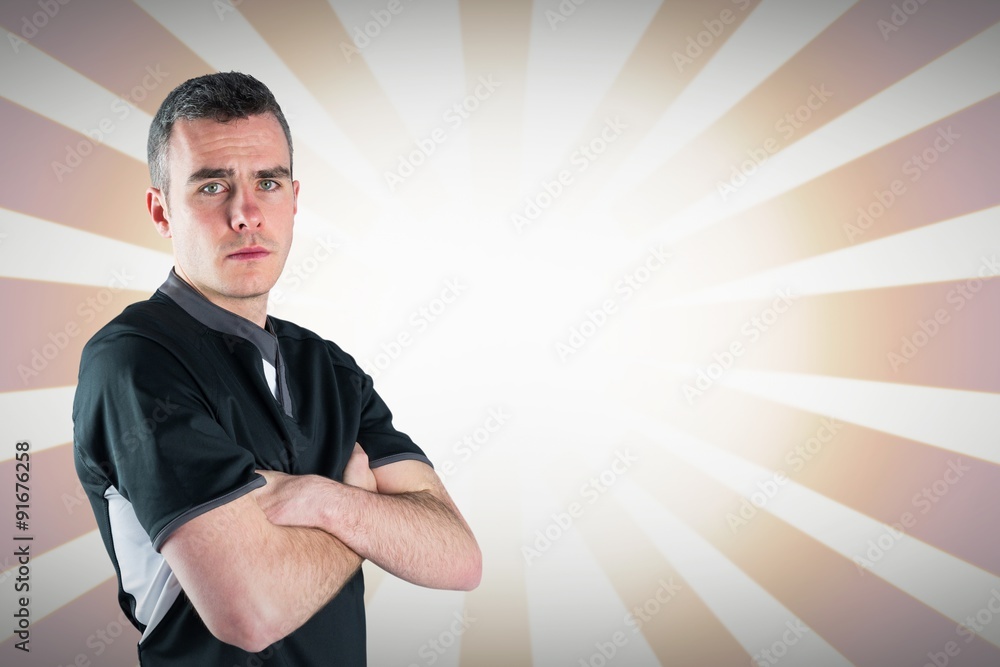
(693, 304)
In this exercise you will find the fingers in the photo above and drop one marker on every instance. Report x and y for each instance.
(281, 497)
(272, 477)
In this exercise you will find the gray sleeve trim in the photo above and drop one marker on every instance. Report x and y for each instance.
(178, 521)
(405, 456)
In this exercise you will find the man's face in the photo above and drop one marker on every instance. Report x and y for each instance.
(230, 207)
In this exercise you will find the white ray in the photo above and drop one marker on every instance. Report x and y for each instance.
(960, 248)
(36, 249)
(43, 417)
(956, 589)
(585, 52)
(57, 577)
(786, 26)
(227, 41)
(958, 79)
(417, 87)
(41, 83)
(422, 90)
(954, 81)
(754, 617)
(396, 637)
(965, 422)
(571, 602)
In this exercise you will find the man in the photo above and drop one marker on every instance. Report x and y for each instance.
(241, 467)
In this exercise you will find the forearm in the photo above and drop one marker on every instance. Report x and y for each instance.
(400, 518)
(263, 581)
(304, 568)
(415, 535)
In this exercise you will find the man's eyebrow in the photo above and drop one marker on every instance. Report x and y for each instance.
(206, 173)
(273, 172)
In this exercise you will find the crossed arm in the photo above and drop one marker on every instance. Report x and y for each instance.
(290, 546)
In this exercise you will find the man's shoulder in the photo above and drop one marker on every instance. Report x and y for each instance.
(156, 320)
(290, 333)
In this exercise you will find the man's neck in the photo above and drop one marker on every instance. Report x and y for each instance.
(253, 308)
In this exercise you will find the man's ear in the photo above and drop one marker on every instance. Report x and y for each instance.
(295, 197)
(156, 204)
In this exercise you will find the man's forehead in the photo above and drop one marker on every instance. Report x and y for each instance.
(238, 136)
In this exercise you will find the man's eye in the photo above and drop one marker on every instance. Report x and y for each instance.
(268, 185)
(212, 188)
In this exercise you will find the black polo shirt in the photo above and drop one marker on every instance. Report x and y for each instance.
(179, 401)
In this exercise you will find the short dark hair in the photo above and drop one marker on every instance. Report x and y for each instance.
(223, 97)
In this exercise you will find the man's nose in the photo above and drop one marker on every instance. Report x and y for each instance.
(244, 212)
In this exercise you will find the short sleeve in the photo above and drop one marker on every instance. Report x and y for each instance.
(143, 424)
(378, 437)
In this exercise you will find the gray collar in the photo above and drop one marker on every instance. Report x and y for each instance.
(231, 324)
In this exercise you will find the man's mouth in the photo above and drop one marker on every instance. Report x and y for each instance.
(253, 252)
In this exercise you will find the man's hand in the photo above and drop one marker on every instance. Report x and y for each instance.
(399, 517)
(285, 498)
(291, 500)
